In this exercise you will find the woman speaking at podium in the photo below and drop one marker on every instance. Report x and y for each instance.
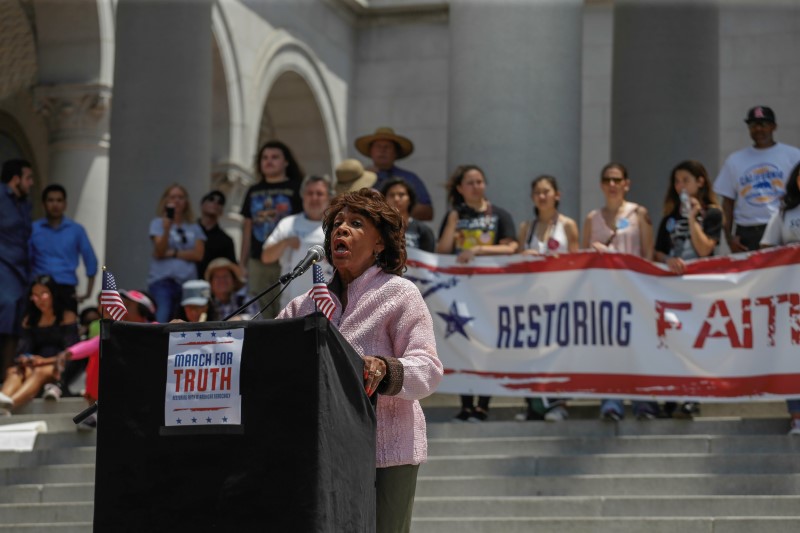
(383, 316)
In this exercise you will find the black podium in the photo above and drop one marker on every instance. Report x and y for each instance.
(302, 460)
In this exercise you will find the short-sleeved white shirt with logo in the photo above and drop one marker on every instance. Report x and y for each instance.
(756, 179)
(783, 229)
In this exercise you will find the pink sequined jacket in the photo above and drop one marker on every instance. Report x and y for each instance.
(386, 316)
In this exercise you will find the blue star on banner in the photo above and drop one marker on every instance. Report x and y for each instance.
(199, 334)
(183, 335)
(224, 418)
(213, 333)
(208, 419)
(194, 420)
(178, 420)
(455, 322)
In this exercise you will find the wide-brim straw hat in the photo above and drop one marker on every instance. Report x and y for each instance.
(224, 262)
(387, 134)
(351, 176)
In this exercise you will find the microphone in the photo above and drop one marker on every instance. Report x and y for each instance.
(314, 254)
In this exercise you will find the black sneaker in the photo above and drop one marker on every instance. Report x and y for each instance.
(478, 415)
(463, 415)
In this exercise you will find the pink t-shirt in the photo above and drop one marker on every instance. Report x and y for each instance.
(626, 239)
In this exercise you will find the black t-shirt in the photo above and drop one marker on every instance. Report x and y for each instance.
(674, 239)
(265, 205)
(418, 235)
(218, 244)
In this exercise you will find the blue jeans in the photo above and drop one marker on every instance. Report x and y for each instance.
(638, 406)
(166, 294)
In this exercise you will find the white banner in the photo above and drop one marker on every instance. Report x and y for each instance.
(203, 378)
(599, 325)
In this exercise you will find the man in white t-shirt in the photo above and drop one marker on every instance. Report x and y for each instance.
(753, 180)
(295, 234)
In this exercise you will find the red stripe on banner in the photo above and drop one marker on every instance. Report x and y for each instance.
(639, 385)
(729, 264)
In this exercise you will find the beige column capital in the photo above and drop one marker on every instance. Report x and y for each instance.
(75, 113)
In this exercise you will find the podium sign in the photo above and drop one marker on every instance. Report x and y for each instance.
(302, 459)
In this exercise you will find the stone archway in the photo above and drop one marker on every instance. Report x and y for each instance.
(298, 105)
(291, 115)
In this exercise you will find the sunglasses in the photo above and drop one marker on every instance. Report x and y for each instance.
(216, 199)
(616, 181)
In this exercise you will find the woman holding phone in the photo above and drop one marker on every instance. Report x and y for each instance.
(178, 244)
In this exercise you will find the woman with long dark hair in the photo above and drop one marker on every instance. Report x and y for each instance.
(474, 226)
(784, 228)
(47, 328)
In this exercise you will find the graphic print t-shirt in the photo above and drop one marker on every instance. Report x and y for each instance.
(673, 237)
(265, 205)
(477, 229)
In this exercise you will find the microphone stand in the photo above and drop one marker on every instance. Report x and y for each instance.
(283, 280)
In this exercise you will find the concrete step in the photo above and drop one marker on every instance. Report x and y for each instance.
(80, 527)
(56, 422)
(28, 513)
(606, 525)
(66, 455)
(622, 485)
(648, 444)
(73, 473)
(442, 407)
(68, 406)
(611, 464)
(598, 428)
(47, 493)
(65, 439)
(607, 506)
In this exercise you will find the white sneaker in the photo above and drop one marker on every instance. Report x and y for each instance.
(52, 392)
(556, 414)
(5, 401)
(794, 427)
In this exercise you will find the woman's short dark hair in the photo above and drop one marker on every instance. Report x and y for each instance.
(386, 219)
(412, 194)
(293, 170)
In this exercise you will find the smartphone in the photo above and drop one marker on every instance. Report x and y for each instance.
(170, 212)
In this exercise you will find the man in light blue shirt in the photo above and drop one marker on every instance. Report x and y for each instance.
(57, 245)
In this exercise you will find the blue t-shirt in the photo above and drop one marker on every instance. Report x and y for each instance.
(181, 237)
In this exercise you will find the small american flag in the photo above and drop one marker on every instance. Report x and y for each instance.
(320, 293)
(110, 298)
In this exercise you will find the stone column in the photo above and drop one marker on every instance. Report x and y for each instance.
(665, 99)
(515, 96)
(161, 122)
(77, 117)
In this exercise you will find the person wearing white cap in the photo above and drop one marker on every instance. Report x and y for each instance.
(752, 181)
(194, 300)
(385, 147)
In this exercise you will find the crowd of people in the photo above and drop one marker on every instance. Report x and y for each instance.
(364, 219)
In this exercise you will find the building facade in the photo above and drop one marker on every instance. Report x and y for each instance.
(117, 99)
